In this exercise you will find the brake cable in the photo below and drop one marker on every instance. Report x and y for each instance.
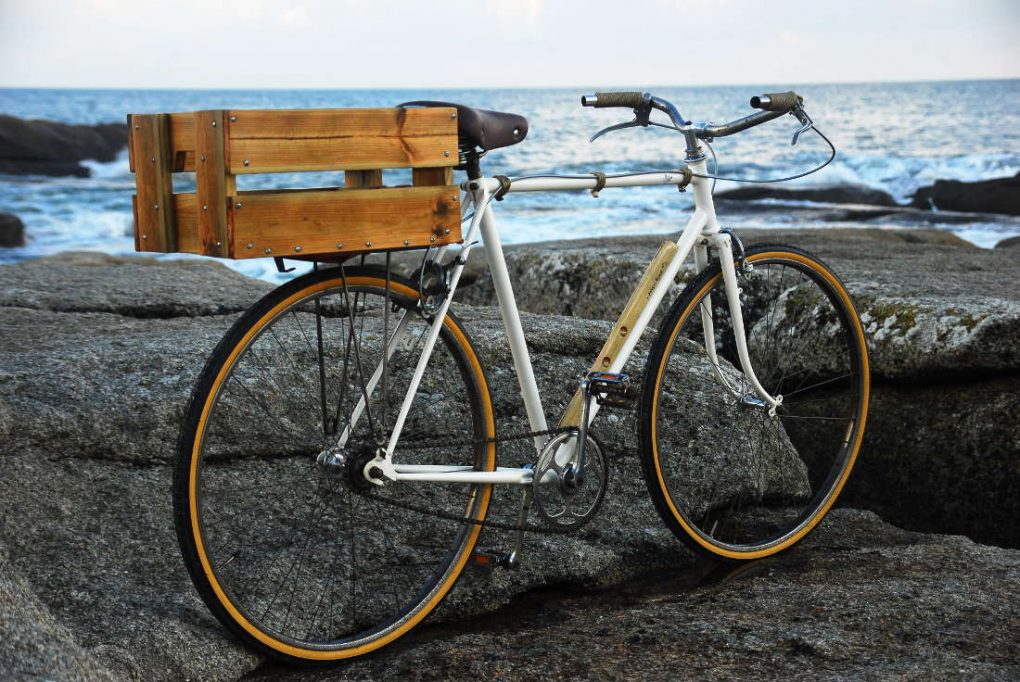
(818, 132)
(707, 176)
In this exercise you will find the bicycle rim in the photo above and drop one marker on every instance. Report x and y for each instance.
(776, 476)
(294, 556)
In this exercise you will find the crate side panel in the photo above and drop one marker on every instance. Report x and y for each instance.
(431, 176)
(214, 186)
(349, 220)
(354, 179)
(155, 226)
(186, 213)
(268, 141)
(326, 123)
(182, 141)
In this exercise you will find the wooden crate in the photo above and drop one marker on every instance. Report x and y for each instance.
(218, 145)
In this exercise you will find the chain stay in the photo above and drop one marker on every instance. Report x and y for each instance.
(496, 525)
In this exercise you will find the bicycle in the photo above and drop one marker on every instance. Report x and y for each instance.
(338, 456)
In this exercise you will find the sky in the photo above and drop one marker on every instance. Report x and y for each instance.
(502, 43)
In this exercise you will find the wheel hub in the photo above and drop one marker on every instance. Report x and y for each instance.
(354, 472)
(332, 460)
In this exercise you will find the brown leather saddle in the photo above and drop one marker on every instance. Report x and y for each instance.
(482, 128)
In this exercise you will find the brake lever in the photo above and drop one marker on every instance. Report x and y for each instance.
(805, 122)
(618, 126)
(641, 118)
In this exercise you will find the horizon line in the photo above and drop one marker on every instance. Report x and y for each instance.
(505, 87)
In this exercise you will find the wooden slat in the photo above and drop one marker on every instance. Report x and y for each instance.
(317, 221)
(131, 146)
(623, 327)
(214, 186)
(355, 179)
(427, 131)
(186, 212)
(182, 141)
(134, 211)
(150, 137)
(423, 177)
(275, 141)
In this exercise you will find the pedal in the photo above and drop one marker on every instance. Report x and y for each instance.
(488, 558)
(612, 390)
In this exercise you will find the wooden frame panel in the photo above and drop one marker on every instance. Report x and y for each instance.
(344, 220)
(215, 187)
(281, 141)
(217, 220)
(186, 212)
(355, 179)
(155, 228)
(182, 141)
(432, 176)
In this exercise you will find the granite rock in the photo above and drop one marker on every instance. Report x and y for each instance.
(37, 147)
(12, 231)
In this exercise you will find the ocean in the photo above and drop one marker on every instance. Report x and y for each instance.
(895, 137)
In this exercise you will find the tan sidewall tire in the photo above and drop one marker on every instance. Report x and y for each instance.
(190, 446)
(658, 359)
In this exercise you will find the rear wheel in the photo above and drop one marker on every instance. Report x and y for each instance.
(762, 481)
(292, 549)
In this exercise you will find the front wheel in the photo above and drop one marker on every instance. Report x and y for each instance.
(731, 479)
(287, 542)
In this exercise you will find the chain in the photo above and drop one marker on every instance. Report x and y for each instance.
(496, 525)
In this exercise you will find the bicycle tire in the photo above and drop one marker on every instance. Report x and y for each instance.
(248, 484)
(783, 473)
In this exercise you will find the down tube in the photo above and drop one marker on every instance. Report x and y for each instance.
(691, 234)
(685, 243)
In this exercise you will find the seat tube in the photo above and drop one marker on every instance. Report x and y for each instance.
(512, 324)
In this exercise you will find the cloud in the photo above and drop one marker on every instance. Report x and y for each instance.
(528, 10)
(790, 39)
(294, 17)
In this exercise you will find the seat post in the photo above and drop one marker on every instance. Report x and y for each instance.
(471, 164)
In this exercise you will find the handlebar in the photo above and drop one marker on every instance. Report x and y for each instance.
(773, 106)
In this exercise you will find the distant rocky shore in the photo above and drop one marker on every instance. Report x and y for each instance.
(37, 147)
(999, 195)
(99, 353)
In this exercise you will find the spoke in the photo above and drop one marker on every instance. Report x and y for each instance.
(820, 383)
(276, 557)
(357, 360)
(354, 562)
(265, 408)
(396, 555)
(322, 365)
(333, 572)
(296, 583)
(385, 345)
(308, 537)
(297, 373)
(800, 416)
(342, 400)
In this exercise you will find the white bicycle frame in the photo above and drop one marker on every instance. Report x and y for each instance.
(701, 233)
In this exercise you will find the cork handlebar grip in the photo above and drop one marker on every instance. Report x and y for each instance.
(779, 101)
(601, 100)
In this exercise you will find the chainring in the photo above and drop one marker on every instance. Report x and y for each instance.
(563, 503)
